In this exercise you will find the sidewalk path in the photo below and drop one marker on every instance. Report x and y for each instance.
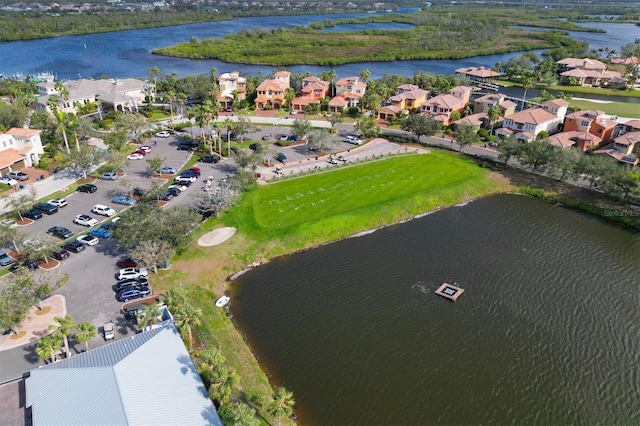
(45, 187)
(36, 325)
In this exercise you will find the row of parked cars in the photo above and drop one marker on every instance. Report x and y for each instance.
(132, 281)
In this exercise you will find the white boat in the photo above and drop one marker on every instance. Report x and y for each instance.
(222, 302)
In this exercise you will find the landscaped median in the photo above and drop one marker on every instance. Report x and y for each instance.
(291, 215)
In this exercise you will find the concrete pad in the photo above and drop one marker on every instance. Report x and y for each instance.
(217, 236)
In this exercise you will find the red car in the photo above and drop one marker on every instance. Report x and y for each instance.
(127, 262)
(143, 153)
(196, 170)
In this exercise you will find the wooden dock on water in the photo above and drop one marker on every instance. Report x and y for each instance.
(449, 291)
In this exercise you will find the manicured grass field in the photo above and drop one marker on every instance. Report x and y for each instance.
(345, 201)
(621, 109)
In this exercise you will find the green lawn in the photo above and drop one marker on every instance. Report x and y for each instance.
(621, 109)
(342, 202)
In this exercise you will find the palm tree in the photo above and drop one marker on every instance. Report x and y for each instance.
(86, 332)
(64, 325)
(527, 83)
(53, 105)
(239, 414)
(176, 298)
(365, 74)
(148, 315)
(281, 404)
(223, 381)
(187, 318)
(48, 347)
(155, 73)
(170, 95)
(494, 115)
(229, 123)
(181, 98)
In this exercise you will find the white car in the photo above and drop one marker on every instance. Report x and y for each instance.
(9, 223)
(179, 187)
(163, 134)
(58, 202)
(8, 181)
(108, 176)
(293, 112)
(103, 210)
(88, 240)
(135, 156)
(166, 170)
(353, 140)
(126, 273)
(185, 179)
(145, 148)
(85, 220)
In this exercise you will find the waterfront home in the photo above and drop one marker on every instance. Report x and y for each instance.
(479, 76)
(313, 90)
(527, 124)
(118, 94)
(477, 120)
(408, 97)
(586, 72)
(232, 88)
(442, 106)
(591, 121)
(584, 141)
(499, 100)
(148, 378)
(271, 91)
(19, 148)
(349, 90)
(623, 148)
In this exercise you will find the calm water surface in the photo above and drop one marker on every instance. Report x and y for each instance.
(547, 331)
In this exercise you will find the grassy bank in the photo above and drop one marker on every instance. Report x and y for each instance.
(621, 109)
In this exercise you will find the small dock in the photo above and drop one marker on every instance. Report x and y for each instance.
(450, 291)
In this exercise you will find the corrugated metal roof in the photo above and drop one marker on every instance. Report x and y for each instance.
(146, 379)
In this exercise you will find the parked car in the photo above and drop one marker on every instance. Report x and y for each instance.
(111, 225)
(209, 159)
(136, 282)
(163, 134)
(168, 196)
(125, 273)
(46, 208)
(189, 173)
(332, 160)
(9, 223)
(292, 138)
(87, 188)
(31, 264)
(124, 200)
(353, 140)
(32, 214)
(59, 202)
(126, 262)
(103, 210)
(109, 176)
(255, 146)
(166, 170)
(18, 175)
(178, 187)
(145, 148)
(8, 181)
(195, 170)
(73, 246)
(293, 112)
(60, 232)
(282, 158)
(283, 137)
(135, 156)
(88, 240)
(5, 259)
(60, 254)
(267, 137)
(186, 147)
(139, 192)
(101, 232)
(85, 220)
(181, 179)
(174, 190)
(133, 293)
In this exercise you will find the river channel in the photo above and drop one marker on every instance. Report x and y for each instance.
(547, 331)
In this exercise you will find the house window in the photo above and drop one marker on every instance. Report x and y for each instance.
(599, 131)
(584, 123)
(4, 144)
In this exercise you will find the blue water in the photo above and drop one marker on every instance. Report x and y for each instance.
(128, 53)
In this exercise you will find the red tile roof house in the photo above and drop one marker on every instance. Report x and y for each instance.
(594, 122)
(476, 120)
(583, 141)
(232, 88)
(486, 102)
(19, 148)
(527, 124)
(623, 148)
(408, 98)
(313, 90)
(629, 126)
(588, 72)
(271, 91)
(479, 76)
(349, 90)
(442, 106)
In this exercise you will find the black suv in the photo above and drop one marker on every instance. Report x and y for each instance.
(32, 214)
(88, 188)
(74, 246)
(60, 254)
(60, 232)
(46, 208)
(209, 159)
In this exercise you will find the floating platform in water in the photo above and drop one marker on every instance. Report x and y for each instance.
(450, 291)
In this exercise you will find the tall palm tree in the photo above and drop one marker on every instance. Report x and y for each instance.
(223, 381)
(86, 332)
(60, 116)
(493, 115)
(181, 98)
(229, 124)
(527, 83)
(281, 404)
(171, 96)
(149, 315)
(187, 318)
(155, 73)
(365, 74)
(48, 347)
(64, 325)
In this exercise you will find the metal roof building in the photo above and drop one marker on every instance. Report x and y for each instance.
(145, 379)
